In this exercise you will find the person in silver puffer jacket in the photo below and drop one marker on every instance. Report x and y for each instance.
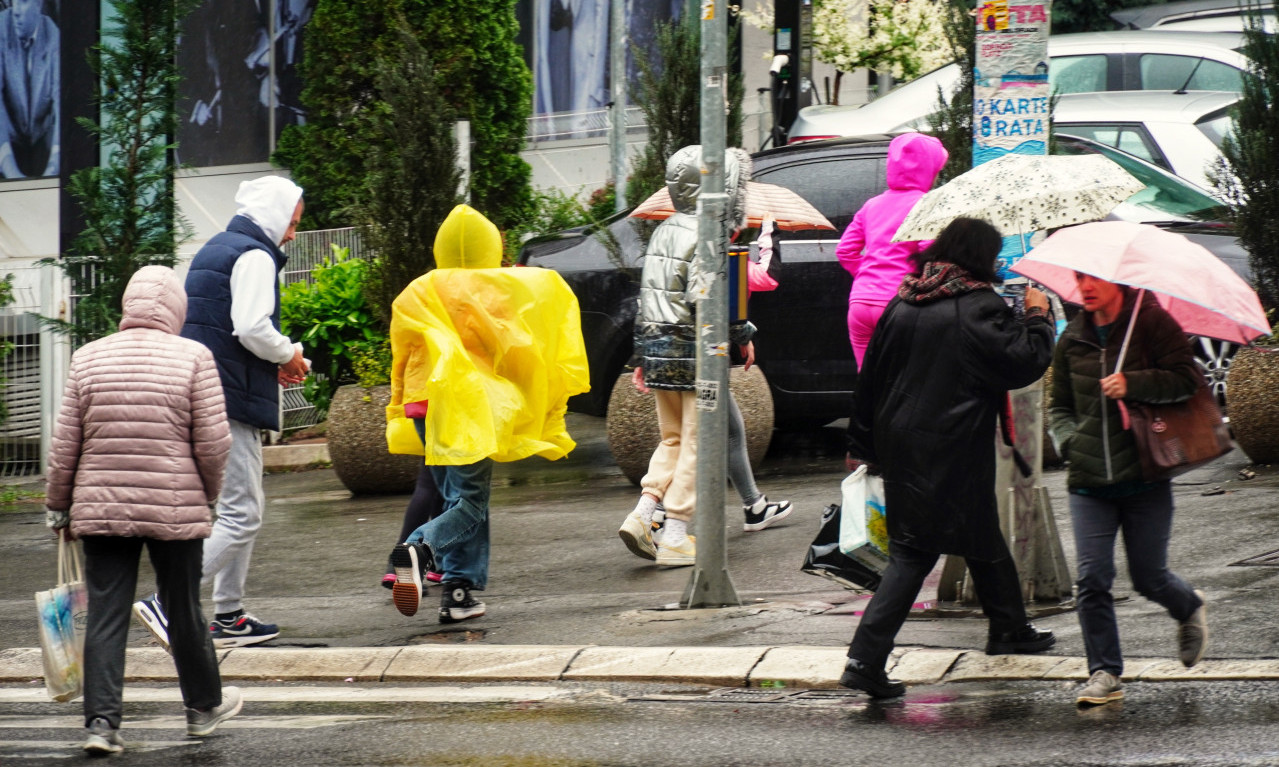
(665, 346)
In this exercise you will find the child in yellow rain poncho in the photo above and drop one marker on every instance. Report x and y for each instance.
(484, 361)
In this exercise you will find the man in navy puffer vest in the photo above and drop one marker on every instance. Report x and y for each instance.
(233, 308)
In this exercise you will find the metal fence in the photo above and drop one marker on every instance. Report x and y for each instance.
(33, 372)
(21, 445)
(307, 251)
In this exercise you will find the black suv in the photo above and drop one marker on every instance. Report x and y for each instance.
(802, 345)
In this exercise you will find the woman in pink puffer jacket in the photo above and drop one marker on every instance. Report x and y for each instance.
(866, 250)
(136, 459)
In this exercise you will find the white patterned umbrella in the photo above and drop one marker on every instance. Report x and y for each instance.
(1021, 193)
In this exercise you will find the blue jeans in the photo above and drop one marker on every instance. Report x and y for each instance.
(1146, 521)
(459, 536)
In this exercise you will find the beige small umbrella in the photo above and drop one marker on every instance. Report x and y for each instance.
(788, 210)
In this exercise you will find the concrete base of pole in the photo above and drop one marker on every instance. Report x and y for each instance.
(709, 590)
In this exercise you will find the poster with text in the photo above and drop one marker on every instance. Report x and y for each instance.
(1011, 94)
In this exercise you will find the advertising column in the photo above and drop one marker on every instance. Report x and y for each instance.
(1011, 110)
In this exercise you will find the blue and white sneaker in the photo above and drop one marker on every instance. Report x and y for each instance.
(152, 617)
(242, 631)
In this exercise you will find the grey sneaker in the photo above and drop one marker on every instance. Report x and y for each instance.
(201, 723)
(102, 738)
(1192, 635)
(1102, 687)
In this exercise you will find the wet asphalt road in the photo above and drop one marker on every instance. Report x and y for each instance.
(1023, 723)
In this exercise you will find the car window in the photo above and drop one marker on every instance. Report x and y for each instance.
(1217, 126)
(1160, 71)
(1164, 197)
(836, 186)
(1132, 139)
(1078, 74)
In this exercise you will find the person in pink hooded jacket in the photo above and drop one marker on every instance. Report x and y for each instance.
(866, 249)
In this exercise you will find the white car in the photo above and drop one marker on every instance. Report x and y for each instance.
(1196, 15)
(1178, 131)
(1085, 62)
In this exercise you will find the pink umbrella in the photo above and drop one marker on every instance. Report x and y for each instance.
(1203, 294)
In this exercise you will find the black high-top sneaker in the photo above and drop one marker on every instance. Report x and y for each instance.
(457, 604)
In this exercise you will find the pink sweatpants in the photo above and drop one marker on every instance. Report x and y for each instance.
(861, 324)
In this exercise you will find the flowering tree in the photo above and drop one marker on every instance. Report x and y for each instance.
(904, 37)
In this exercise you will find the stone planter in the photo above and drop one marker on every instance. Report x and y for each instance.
(1252, 393)
(632, 421)
(357, 444)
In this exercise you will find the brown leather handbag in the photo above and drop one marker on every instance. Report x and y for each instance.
(1173, 439)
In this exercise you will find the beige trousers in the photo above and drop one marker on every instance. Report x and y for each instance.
(672, 471)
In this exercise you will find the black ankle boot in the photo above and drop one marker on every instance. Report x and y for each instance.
(872, 681)
(1024, 640)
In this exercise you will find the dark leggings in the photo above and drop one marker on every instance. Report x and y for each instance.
(425, 505)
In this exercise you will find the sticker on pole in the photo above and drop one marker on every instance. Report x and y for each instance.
(707, 395)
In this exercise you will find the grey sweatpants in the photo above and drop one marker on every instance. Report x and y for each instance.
(227, 551)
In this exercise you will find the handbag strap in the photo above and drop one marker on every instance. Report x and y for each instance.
(70, 567)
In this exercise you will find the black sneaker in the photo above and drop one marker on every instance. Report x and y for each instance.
(410, 561)
(872, 681)
(1024, 640)
(763, 513)
(457, 604)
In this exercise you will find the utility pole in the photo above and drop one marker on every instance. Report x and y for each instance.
(710, 584)
(617, 109)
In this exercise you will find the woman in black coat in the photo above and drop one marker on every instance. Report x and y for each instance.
(940, 364)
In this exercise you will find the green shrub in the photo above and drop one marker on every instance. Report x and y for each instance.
(371, 362)
(332, 318)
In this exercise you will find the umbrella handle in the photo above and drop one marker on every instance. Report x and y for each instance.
(1123, 350)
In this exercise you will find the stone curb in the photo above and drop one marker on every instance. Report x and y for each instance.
(284, 457)
(784, 666)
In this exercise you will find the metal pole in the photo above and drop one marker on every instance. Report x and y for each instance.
(617, 78)
(462, 138)
(710, 584)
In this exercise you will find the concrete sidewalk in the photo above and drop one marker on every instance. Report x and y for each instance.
(566, 601)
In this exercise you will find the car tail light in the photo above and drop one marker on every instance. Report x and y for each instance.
(802, 139)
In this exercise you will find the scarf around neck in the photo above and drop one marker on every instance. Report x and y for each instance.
(940, 280)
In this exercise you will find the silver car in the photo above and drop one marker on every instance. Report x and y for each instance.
(1080, 63)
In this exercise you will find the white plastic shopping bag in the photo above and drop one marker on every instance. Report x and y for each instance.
(863, 530)
(62, 612)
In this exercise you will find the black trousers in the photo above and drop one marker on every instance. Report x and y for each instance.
(996, 583)
(111, 578)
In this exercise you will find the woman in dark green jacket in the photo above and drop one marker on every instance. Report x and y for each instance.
(1107, 491)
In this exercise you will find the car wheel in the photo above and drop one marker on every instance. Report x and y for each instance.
(1213, 358)
(631, 422)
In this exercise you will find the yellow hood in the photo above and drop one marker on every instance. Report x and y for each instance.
(467, 240)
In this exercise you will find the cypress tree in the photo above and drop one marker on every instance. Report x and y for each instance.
(130, 216)
(1248, 173)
